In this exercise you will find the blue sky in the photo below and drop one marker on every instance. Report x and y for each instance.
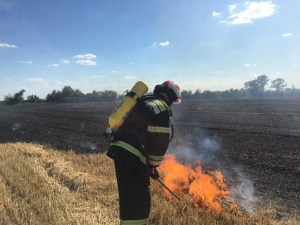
(109, 45)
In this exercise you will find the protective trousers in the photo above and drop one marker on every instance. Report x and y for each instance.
(134, 192)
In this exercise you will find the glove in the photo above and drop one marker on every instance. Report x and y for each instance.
(153, 173)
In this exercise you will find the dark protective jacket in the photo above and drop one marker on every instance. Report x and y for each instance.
(144, 136)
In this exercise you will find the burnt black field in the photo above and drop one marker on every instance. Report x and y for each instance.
(255, 143)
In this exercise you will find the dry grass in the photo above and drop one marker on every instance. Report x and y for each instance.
(44, 186)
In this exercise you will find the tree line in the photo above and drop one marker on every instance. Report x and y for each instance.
(66, 95)
(254, 88)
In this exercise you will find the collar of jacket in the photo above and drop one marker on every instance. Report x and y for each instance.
(165, 100)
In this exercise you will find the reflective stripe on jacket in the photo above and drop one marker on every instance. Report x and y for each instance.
(131, 149)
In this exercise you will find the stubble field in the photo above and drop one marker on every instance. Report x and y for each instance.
(255, 143)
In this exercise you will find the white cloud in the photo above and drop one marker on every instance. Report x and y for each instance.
(38, 82)
(35, 80)
(56, 82)
(279, 73)
(100, 76)
(213, 78)
(127, 77)
(25, 62)
(86, 62)
(288, 34)
(252, 11)
(297, 65)
(161, 44)
(86, 56)
(254, 75)
(4, 45)
(216, 13)
(114, 71)
(248, 64)
(53, 65)
(64, 61)
(164, 43)
(231, 8)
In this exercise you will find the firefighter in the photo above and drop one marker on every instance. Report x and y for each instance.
(138, 148)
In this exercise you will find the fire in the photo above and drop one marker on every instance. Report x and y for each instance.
(206, 190)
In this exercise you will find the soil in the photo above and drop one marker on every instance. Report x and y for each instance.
(255, 143)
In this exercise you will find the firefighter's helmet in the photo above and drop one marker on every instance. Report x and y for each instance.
(171, 89)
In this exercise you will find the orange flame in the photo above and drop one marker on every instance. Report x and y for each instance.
(206, 190)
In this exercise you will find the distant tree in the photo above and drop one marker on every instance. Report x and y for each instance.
(66, 95)
(109, 95)
(262, 81)
(34, 99)
(217, 94)
(257, 87)
(251, 87)
(67, 91)
(16, 99)
(54, 97)
(122, 96)
(243, 93)
(78, 96)
(186, 94)
(292, 91)
(197, 94)
(95, 96)
(226, 94)
(279, 84)
(206, 94)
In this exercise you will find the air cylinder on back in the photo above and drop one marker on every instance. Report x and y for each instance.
(120, 114)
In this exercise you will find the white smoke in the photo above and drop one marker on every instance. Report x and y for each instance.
(16, 126)
(207, 148)
(203, 148)
(88, 145)
(244, 192)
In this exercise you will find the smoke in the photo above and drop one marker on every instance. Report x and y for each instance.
(203, 147)
(208, 150)
(244, 192)
(16, 126)
(88, 145)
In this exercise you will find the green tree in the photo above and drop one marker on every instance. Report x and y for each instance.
(34, 99)
(186, 94)
(122, 96)
(257, 87)
(197, 94)
(54, 97)
(109, 95)
(16, 99)
(279, 84)
(66, 95)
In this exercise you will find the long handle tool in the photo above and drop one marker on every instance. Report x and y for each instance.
(163, 184)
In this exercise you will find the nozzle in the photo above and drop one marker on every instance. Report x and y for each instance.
(107, 132)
